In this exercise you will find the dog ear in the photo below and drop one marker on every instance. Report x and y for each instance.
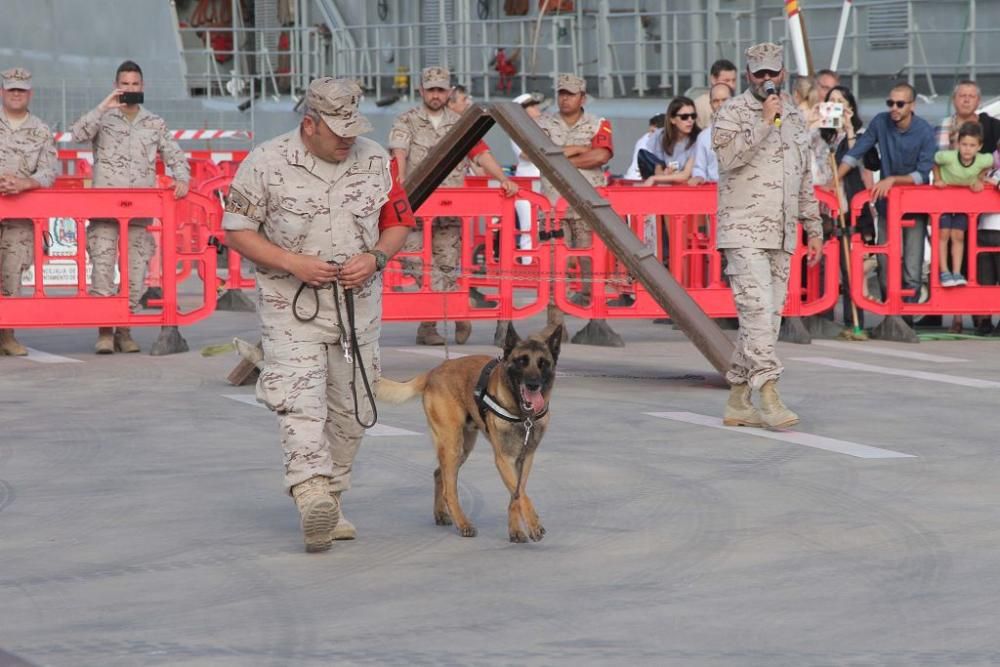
(554, 342)
(511, 341)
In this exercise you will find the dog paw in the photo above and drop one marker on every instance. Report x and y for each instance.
(537, 534)
(518, 537)
(442, 519)
(468, 531)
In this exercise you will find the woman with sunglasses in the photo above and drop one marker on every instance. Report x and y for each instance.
(674, 145)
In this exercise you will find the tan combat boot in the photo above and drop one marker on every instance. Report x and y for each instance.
(463, 330)
(739, 409)
(9, 344)
(345, 529)
(105, 341)
(320, 511)
(123, 340)
(427, 334)
(773, 412)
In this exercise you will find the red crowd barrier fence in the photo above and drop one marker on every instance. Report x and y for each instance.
(187, 221)
(903, 202)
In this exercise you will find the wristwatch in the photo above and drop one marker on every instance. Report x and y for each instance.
(381, 259)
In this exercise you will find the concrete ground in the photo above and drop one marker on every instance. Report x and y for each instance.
(142, 519)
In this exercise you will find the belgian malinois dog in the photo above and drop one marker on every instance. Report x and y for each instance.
(508, 400)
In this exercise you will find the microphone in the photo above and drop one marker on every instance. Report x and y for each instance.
(769, 90)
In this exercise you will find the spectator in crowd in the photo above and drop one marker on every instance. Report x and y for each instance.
(765, 192)
(841, 141)
(587, 142)
(965, 99)
(674, 145)
(655, 123)
(27, 161)
(532, 104)
(414, 133)
(350, 216)
(459, 99)
(722, 71)
(706, 165)
(964, 166)
(126, 139)
(806, 96)
(988, 262)
(826, 80)
(906, 145)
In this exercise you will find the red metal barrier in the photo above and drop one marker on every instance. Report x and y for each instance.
(969, 299)
(512, 286)
(687, 214)
(73, 307)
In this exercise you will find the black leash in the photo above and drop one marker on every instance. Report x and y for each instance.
(348, 341)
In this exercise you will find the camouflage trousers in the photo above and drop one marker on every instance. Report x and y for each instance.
(308, 385)
(578, 235)
(102, 245)
(17, 252)
(446, 253)
(759, 279)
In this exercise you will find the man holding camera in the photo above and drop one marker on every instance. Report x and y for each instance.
(126, 140)
(765, 189)
(318, 208)
(28, 160)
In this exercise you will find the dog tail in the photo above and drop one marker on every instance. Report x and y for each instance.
(391, 391)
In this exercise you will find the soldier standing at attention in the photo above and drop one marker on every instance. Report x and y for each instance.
(587, 142)
(317, 207)
(765, 188)
(413, 135)
(27, 161)
(126, 139)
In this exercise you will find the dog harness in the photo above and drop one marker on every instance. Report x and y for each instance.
(488, 403)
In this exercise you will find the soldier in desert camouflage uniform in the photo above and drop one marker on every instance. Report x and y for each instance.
(765, 189)
(27, 161)
(414, 134)
(126, 140)
(318, 205)
(587, 142)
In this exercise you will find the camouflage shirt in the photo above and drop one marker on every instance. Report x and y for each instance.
(312, 207)
(125, 152)
(414, 133)
(28, 151)
(589, 130)
(765, 180)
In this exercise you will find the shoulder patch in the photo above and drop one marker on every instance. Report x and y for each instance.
(239, 203)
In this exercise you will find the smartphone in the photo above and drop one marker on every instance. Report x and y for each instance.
(131, 98)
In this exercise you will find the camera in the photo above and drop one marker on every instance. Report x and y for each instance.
(131, 98)
(831, 115)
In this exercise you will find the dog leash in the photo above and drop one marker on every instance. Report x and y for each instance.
(348, 342)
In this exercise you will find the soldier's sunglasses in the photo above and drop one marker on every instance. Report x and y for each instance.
(761, 73)
(686, 116)
(899, 104)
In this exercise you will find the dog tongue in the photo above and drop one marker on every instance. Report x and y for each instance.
(533, 399)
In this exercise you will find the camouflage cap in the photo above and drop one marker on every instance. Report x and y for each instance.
(435, 77)
(16, 78)
(765, 56)
(336, 100)
(571, 84)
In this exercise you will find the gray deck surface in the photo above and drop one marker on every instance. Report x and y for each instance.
(142, 519)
